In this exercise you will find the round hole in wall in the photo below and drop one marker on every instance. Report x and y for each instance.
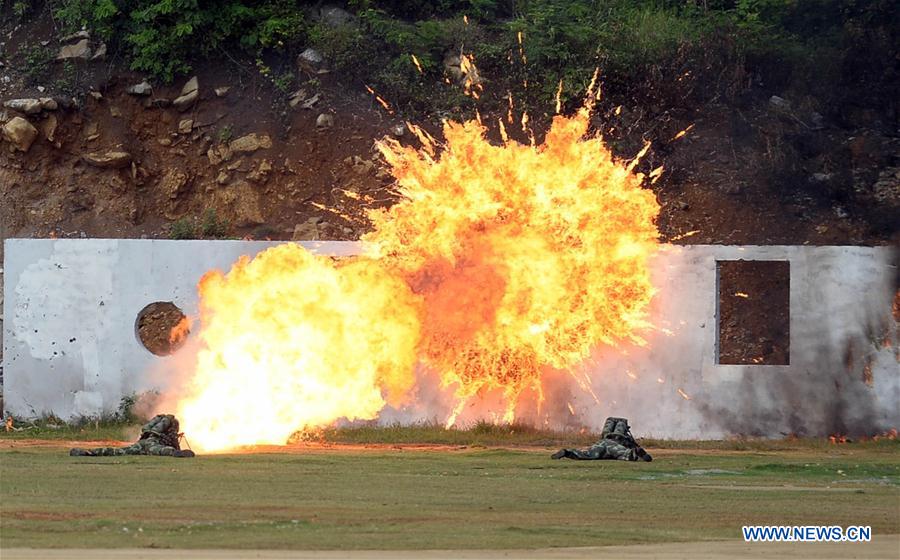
(162, 328)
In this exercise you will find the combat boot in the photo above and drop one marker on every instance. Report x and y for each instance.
(79, 452)
(559, 454)
(643, 455)
(183, 453)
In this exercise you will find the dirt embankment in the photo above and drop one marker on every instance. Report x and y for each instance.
(105, 154)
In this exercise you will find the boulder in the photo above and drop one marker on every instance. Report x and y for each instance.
(48, 127)
(453, 69)
(113, 159)
(185, 126)
(80, 51)
(311, 60)
(173, 183)
(780, 103)
(83, 34)
(143, 89)
(219, 153)
(324, 121)
(189, 95)
(222, 91)
(261, 173)
(20, 133)
(100, 53)
(27, 106)
(48, 104)
(250, 143)
(240, 203)
(333, 16)
(307, 231)
(185, 102)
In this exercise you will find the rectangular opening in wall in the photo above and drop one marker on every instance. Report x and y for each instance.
(753, 312)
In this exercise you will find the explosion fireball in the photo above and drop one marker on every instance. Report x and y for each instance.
(498, 263)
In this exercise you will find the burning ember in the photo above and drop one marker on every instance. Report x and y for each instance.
(498, 263)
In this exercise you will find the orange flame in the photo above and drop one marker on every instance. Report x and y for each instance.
(294, 341)
(416, 62)
(498, 263)
(180, 331)
(380, 100)
(472, 84)
(526, 257)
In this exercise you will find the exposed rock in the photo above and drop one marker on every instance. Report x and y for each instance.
(821, 177)
(311, 60)
(27, 106)
(185, 126)
(20, 133)
(219, 153)
(250, 143)
(886, 188)
(164, 141)
(324, 121)
(83, 34)
(333, 16)
(49, 104)
(96, 95)
(780, 103)
(144, 89)
(261, 173)
(239, 203)
(222, 91)
(100, 53)
(92, 131)
(189, 95)
(452, 67)
(297, 97)
(80, 50)
(173, 183)
(398, 130)
(190, 86)
(48, 127)
(184, 102)
(307, 231)
(311, 102)
(115, 112)
(361, 166)
(222, 178)
(113, 159)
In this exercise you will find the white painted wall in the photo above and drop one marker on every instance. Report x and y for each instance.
(70, 346)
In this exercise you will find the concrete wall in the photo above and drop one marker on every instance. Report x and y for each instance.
(71, 348)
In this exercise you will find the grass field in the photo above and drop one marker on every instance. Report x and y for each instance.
(387, 496)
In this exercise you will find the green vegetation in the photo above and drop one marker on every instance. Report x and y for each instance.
(38, 61)
(84, 429)
(391, 499)
(163, 37)
(207, 226)
(701, 49)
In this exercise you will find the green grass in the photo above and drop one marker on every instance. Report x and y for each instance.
(410, 499)
(81, 431)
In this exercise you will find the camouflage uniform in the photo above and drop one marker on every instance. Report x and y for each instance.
(159, 436)
(616, 442)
